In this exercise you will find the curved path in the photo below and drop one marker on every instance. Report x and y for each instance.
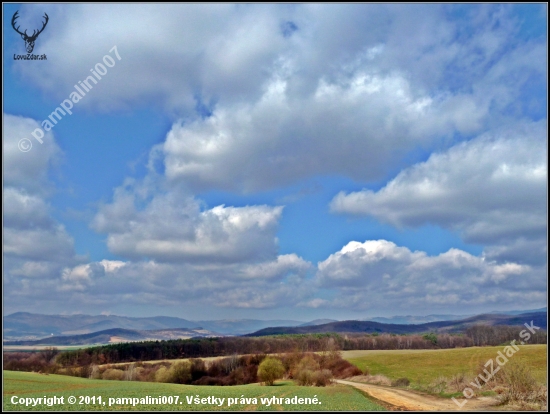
(400, 399)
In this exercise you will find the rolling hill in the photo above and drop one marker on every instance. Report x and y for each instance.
(410, 319)
(116, 335)
(34, 329)
(30, 326)
(538, 318)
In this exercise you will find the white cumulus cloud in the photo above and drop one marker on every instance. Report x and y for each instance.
(491, 189)
(380, 274)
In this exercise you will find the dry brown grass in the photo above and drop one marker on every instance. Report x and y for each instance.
(377, 379)
(401, 382)
(513, 382)
(518, 387)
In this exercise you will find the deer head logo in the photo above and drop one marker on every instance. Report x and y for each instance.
(29, 40)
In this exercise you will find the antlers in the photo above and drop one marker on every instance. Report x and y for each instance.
(35, 33)
(13, 19)
(43, 25)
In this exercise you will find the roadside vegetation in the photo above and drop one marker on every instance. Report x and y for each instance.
(519, 384)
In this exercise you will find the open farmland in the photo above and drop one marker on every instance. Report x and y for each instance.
(25, 384)
(423, 366)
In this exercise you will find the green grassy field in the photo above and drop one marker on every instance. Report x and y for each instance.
(33, 385)
(423, 366)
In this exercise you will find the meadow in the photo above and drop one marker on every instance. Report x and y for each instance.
(423, 366)
(34, 385)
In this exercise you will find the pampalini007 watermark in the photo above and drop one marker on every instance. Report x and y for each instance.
(174, 400)
(65, 107)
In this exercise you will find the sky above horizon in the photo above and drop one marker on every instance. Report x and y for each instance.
(275, 161)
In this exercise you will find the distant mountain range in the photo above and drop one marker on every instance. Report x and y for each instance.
(538, 318)
(409, 319)
(116, 335)
(414, 320)
(24, 325)
(37, 329)
(318, 322)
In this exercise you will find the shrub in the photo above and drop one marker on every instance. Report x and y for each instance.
(341, 368)
(237, 377)
(520, 386)
(227, 371)
(378, 379)
(113, 374)
(304, 377)
(147, 372)
(321, 378)
(94, 372)
(140, 373)
(162, 375)
(291, 360)
(481, 372)
(401, 382)
(198, 369)
(309, 363)
(350, 371)
(130, 372)
(270, 370)
(207, 380)
(84, 371)
(438, 385)
(22, 361)
(180, 373)
(459, 382)
(330, 359)
(303, 372)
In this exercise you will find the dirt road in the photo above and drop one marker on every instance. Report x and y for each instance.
(400, 399)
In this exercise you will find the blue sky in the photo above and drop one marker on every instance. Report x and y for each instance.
(277, 161)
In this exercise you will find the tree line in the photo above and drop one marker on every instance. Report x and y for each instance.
(305, 368)
(226, 346)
